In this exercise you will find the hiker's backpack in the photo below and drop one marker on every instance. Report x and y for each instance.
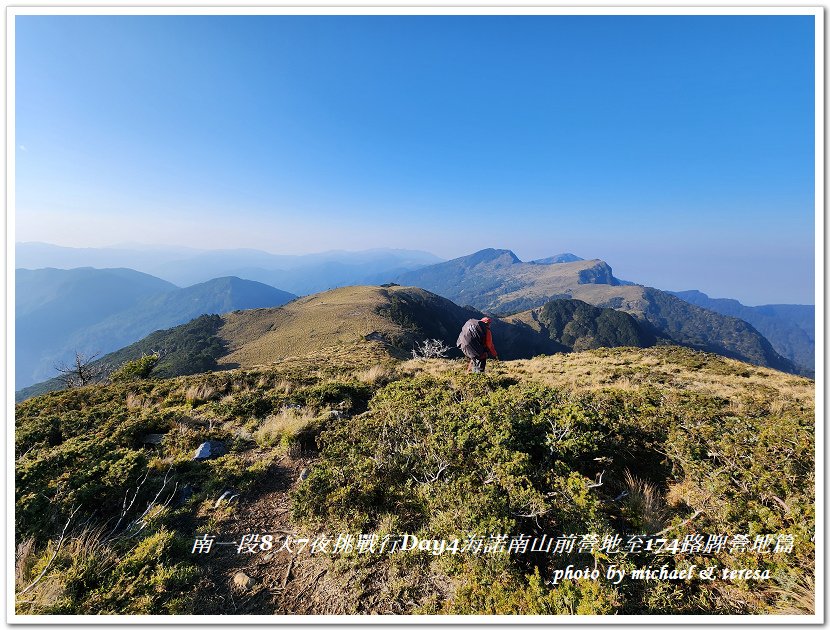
(472, 335)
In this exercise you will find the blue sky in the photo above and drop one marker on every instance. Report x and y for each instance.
(678, 149)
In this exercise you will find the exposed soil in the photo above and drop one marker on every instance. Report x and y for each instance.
(284, 583)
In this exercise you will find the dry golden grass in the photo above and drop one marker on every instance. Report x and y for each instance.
(24, 558)
(645, 501)
(324, 321)
(630, 368)
(284, 386)
(349, 361)
(376, 375)
(665, 367)
(435, 367)
(240, 385)
(43, 590)
(199, 393)
(798, 598)
(136, 401)
(284, 426)
(227, 399)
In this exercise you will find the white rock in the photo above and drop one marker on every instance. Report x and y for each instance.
(243, 580)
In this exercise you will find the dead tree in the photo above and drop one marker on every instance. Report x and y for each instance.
(81, 371)
(430, 349)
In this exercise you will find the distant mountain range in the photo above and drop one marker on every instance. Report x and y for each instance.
(301, 275)
(559, 258)
(559, 303)
(59, 311)
(790, 328)
(497, 281)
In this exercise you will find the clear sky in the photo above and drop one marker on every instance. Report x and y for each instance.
(678, 149)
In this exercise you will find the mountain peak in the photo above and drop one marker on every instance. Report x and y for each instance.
(599, 273)
(491, 255)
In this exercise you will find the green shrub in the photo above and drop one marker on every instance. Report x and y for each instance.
(135, 370)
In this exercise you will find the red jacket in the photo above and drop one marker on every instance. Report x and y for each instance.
(488, 342)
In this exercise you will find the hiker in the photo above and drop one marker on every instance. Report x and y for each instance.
(476, 342)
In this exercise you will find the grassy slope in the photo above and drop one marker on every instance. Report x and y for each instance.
(336, 322)
(535, 283)
(669, 367)
(328, 320)
(634, 407)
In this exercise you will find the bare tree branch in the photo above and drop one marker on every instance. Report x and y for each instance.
(430, 349)
(81, 371)
(54, 555)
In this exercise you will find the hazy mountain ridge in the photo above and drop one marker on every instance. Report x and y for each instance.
(492, 280)
(790, 328)
(100, 310)
(558, 258)
(496, 280)
(221, 295)
(299, 274)
(52, 304)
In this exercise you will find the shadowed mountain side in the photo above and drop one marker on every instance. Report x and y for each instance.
(575, 326)
(790, 328)
(676, 321)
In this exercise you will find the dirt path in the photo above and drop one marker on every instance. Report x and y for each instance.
(283, 583)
